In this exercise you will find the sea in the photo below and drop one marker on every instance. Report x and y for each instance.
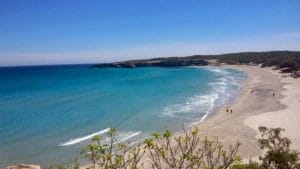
(49, 113)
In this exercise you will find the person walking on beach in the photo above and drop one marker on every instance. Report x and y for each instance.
(230, 111)
(227, 108)
(227, 111)
(273, 94)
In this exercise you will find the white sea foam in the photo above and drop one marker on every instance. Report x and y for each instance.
(233, 81)
(236, 84)
(217, 70)
(191, 105)
(80, 139)
(220, 93)
(220, 86)
(200, 121)
(127, 135)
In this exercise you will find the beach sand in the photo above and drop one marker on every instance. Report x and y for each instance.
(288, 117)
(256, 106)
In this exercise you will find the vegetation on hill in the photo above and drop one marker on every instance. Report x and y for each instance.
(187, 151)
(288, 60)
(279, 59)
(157, 62)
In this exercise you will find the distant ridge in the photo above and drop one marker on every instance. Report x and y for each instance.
(288, 60)
(157, 62)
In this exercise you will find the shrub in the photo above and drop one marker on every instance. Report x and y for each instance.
(111, 154)
(164, 150)
(250, 165)
(189, 151)
(277, 150)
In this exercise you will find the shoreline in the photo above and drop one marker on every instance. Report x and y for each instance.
(216, 108)
(255, 106)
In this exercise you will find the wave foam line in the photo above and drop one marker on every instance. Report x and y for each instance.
(80, 139)
(130, 136)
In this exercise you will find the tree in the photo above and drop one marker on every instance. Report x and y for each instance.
(189, 151)
(111, 154)
(250, 165)
(277, 150)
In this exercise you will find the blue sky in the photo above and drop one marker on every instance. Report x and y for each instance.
(73, 31)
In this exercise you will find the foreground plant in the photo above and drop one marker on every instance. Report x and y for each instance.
(164, 151)
(111, 154)
(189, 151)
(278, 154)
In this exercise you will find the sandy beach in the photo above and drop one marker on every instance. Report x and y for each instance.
(286, 117)
(256, 106)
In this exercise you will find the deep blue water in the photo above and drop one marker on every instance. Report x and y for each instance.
(48, 113)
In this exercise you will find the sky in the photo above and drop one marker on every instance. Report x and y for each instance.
(35, 32)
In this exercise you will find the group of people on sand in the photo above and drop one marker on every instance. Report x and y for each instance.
(228, 110)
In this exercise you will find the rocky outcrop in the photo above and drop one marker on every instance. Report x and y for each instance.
(295, 74)
(24, 166)
(158, 62)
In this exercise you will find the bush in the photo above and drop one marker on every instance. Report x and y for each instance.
(250, 165)
(186, 151)
(164, 151)
(278, 154)
(189, 151)
(111, 154)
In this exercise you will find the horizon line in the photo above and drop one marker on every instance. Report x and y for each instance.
(92, 63)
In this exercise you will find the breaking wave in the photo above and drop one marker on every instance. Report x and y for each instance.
(124, 136)
(218, 70)
(81, 139)
(222, 90)
(121, 137)
(191, 105)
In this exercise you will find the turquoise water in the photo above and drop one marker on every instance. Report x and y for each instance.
(48, 113)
